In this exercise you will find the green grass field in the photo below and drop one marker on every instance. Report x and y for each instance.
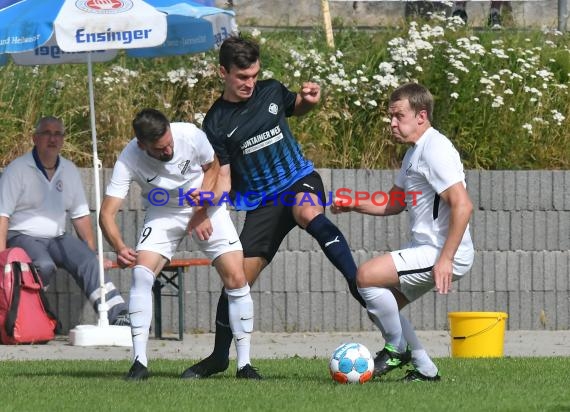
(296, 384)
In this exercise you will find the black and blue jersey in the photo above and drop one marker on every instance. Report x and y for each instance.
(254, 138)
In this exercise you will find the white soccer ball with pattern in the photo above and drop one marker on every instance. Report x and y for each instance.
(351, 363)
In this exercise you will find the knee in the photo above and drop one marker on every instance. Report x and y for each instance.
(305, 215)
(379, 272)
(235, 281)
(363, 277)
(46, 270)
(368, 275)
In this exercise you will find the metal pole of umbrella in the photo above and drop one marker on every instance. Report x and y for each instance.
(103, 307)
(562, 15)
(103, 334)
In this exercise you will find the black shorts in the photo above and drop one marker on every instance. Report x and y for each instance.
(266, 227)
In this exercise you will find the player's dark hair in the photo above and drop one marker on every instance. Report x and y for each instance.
(238, 52)
(150, 125)
(417, 95)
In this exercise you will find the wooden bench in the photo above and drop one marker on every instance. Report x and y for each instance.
(171, 275)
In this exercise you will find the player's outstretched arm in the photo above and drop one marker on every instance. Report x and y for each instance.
(392, 204)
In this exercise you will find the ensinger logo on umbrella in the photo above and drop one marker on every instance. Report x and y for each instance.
(104, 6)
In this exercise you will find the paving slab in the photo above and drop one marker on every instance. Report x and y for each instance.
(283, 345)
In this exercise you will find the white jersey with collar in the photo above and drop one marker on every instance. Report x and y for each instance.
(36, 206)
(164, 182)
(430, 167)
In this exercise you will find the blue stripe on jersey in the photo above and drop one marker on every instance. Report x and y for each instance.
(257, 177)
(273, 169)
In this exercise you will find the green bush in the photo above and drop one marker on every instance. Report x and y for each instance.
(501, 96)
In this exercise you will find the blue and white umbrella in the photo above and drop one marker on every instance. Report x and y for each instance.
(37, 32)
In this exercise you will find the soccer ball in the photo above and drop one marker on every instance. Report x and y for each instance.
(351, 363)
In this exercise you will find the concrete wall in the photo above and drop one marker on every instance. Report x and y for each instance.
(521, 230)
(308, 13)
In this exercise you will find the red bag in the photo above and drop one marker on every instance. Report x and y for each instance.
(24, 313)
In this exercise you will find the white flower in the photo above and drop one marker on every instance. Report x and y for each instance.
(453, 79)
(386, 68)
(497, 102)
(454, 95)
(527, 127)
(500, 53)
(557, 116)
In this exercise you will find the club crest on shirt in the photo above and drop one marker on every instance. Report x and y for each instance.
(273, 108)
(184, 167)
(59, 186)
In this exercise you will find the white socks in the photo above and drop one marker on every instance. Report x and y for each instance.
(140, 310)
(240, 308)
(420, 358)
(396, 329)
(382, 305)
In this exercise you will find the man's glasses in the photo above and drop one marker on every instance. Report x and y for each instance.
(48, 133)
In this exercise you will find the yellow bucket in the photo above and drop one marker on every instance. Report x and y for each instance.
(477, 334)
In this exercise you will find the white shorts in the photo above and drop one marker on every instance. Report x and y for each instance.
(414, 266)
(165, 228)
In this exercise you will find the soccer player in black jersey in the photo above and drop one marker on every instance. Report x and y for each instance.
(263, 165)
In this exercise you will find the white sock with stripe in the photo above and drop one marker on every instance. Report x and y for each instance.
(140, 310)
(240, 308)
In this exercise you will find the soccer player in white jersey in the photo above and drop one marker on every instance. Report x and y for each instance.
(440, 250)
(168, 160)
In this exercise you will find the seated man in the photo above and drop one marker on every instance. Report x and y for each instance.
(37, 190)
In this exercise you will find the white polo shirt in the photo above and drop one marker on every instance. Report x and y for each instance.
(430, 167)
(36, 206)
(164, 181)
